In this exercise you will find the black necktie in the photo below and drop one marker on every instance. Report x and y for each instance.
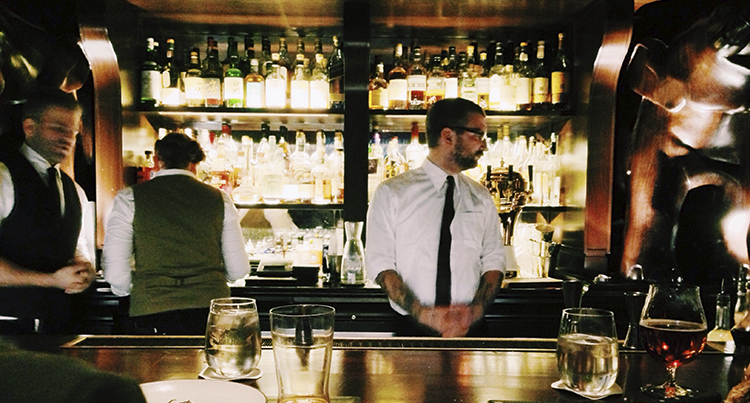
(54, 190)
(443, 283)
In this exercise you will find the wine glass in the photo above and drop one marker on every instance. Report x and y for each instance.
(673, 329)
(233, 343)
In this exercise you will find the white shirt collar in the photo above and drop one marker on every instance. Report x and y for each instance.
(436, 174)
(167, 172)
(39, 163)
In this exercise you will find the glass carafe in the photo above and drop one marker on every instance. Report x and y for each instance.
(353, 259)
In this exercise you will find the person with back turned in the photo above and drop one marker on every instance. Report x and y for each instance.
(43, 252)
(434, 241)
(185, 238)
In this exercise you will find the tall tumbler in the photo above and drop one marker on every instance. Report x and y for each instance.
(302, 338)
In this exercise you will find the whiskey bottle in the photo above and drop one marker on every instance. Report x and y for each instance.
(273, 174)
(249, 54)
(524, 77)
(275, 86)
(416, 80)
(319, 84)
(540, 84)
(435, 82)
(300, 87)
(495, 78)
(234, 81)
(560, 77)
(483, 81)
(395, 164)
(451, 74)
(194, 81)
(320, 172)
(151, 80)
(336, 76)
(265, 60)
(170, 91)
(212, 76)
(397, 86)
(254, 87)
(467, 82)
(378, 86)
(508, 83)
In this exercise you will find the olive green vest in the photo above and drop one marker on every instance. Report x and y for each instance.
(177, 230)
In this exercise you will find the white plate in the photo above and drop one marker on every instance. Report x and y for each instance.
(201, 391)
(614, 390)
(209, 373)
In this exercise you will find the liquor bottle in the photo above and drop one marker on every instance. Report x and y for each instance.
(170, 91)
(495, 76)
(318, 50)
(378, 86)
(300, 87)
(336, 76)
(275, 86)
(285, 59)
(483, 81)
(414, 151)
(265, 60)
(336, 168)
(524, 77)
(319, 84)
(467, 82)
(508, 83)
(451, 74)
(416, 80)
(374, 163)
(194, 81)
(231, 52)
(254, 87)
(397, 86)
(722, 331)
(249, 54)
(301, 168)
(151, 80)
(234, 81)
(273, 174)
(320, 173)
(212, 76)
(395, 164)
(560, 78)
(540, 84)
(435, 82)
(552, 170)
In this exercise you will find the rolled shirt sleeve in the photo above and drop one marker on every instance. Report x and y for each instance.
(117, 254)
(236, 262)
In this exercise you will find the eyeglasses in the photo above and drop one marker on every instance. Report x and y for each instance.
(477, 132)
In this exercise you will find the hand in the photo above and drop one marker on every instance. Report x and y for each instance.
(74, 278)
(450, 321)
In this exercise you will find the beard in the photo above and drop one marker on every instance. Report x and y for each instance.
(464, 159)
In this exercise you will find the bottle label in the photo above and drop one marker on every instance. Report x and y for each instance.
(275, 93)
(254, 98)
(193, 89)
(212, 91)
(451, 87)
(541, 89)
(494, 95)
(523, 90)
(233, 88)
(379, 98)
(559, 86)
(150, 85)
(318, 95)
(300, 94)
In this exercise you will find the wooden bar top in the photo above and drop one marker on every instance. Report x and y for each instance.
(413, 370)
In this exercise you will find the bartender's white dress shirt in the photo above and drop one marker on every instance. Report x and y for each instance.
(117, 256)
(403, 232)
(8, 195)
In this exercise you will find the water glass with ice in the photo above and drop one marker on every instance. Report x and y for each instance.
(302, 338)
(233, 343)
(587, 352)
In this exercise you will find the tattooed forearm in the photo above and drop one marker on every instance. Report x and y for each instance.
(489, 286)
(399, 292)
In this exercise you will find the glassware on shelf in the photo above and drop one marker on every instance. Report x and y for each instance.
(353, 270)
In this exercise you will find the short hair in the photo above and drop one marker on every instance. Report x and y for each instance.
(177, 151)
(43, 99)
(446, 113)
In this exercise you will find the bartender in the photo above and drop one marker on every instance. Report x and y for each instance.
(434, 242)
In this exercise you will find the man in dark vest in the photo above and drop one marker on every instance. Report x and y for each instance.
(43, 253)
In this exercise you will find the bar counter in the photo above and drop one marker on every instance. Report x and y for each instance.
(408, 370)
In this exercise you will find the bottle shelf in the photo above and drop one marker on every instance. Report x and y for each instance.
(291, 206)
(243, 118)
(401, 120)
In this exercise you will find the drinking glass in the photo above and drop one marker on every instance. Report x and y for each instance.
(673, 329)
(302, 338)
(233, 343)
(587, 353)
